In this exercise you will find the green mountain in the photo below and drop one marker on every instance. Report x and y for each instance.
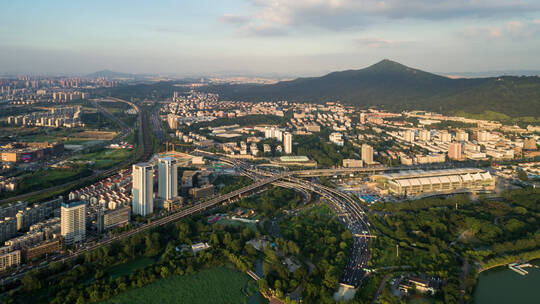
(394, 86)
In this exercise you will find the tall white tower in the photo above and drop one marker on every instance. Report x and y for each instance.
(167, 178)
(73, 222)
(367, 154)
(287, 142)
(143, 189)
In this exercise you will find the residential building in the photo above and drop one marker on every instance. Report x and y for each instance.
(529, 144)
(408, 135)
(353, 163)
(9, 258)
(287, 142)
(367, 154)
(445, 137)
(143, 189)
(336, 138)
(114, 218)
(172, 121)
(483, 136)
(202, 192)
(167, 178)
(8, 228)
(454, 151)
(36, 251)
(73, 221)
(424, 135)
(462, 136)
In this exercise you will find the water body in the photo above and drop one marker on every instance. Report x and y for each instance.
(502, 285)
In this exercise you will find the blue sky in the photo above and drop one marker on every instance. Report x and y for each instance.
(284, 37)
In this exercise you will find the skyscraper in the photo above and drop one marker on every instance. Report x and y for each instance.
(287, 142)
(167, 178)
(172, 120)
(73, 221)
(143, 189)
(367, 154)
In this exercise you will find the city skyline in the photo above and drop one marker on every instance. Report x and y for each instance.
(281, 38)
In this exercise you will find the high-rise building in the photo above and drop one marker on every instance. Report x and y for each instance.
(529, 144)
(73, 221)
(483, 136)
(167, 178)
(143, 189)
(273, 132)
(444, 136)
(363, 118)
(367, 154)
(172, 121)
(9, 258)
(409, 135)
(462, 136)
(424, 135)
(287, 142)
(454, 151)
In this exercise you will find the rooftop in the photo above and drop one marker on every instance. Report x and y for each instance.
(73, 204)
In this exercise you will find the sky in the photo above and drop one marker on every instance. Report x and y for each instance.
(266, 37)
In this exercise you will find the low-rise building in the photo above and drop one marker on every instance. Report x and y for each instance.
(202, 192)
(9, 258)
(421, 183)
(416, 284)
(353, 163)
(37, 251)
(336, 138)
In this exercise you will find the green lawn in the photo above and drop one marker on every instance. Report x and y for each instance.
(129, 267)
(228, 222)
(106, 158)
(217, 285)
(41, 179)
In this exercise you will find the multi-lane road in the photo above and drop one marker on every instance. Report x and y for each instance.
(144, 152)
(346, 207)
(213, 202)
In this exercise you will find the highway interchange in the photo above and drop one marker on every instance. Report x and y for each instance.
(347, 209)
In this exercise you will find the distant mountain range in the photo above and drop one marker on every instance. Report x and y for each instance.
(493, 73)
(395, 86)
(114, 75)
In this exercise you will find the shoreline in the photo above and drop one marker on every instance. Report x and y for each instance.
(506, 264)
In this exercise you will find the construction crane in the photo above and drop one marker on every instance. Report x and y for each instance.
(173, 145)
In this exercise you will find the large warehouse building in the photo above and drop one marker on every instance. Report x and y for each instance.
(421, 183)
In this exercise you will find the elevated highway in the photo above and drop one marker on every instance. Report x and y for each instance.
(347, 209)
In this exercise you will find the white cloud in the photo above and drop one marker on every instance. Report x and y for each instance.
(510, 30)
(253, 29)
(234, 19)
(342, 14)
(371, 42)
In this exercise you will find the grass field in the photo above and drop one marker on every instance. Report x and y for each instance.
(41, 179)
(228, 222)
(106, 158)
(214, 286)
